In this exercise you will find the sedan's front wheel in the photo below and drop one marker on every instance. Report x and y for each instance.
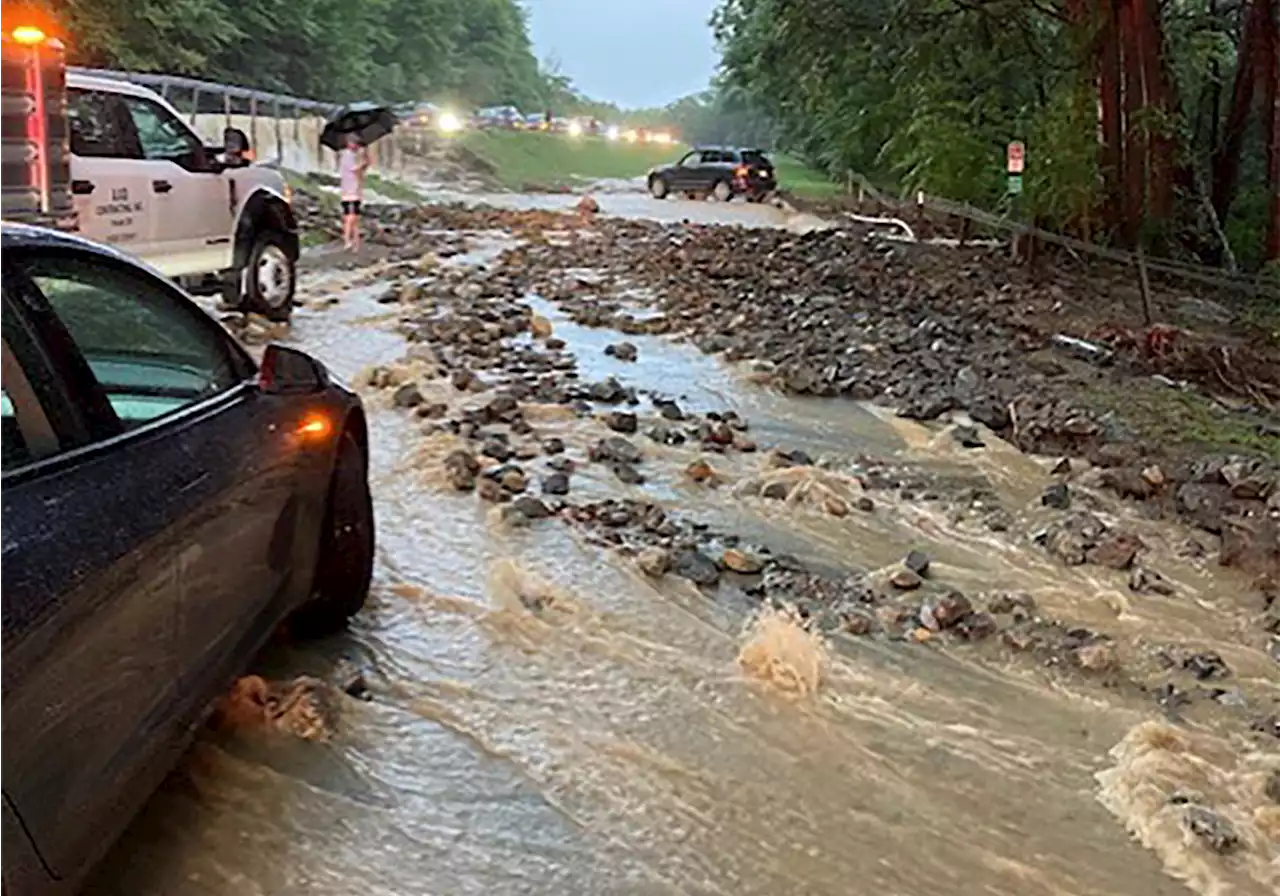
(345, 565)
(723, 191)
(658, 187)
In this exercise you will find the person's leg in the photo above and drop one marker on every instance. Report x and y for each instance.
(346, 224)
(355, 225)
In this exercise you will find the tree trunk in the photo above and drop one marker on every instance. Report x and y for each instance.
(1161, 101)
(1111, 151)
(1135, 142)
(1226, 156)
(1270, 75)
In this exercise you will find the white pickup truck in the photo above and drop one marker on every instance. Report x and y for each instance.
(139, 178)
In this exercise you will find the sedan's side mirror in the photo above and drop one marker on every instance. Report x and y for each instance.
(287, 371)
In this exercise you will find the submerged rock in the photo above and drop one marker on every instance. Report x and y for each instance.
(654, 562)
(741, 562)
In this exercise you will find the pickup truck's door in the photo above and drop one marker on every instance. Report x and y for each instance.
(193, 203)
(109, 180)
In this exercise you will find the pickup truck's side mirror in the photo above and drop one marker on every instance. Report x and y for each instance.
(235, 141)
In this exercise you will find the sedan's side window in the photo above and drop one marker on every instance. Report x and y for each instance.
(28, 434)
(692, 160)
(150, 352)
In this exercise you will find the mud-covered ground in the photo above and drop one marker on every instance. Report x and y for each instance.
(762, 558)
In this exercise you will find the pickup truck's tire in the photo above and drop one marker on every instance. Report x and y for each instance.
(658, 188)
(272, 277)
(723, 191)
(344, 567)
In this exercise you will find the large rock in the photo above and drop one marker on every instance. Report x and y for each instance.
(1204, 503)
(617, 449)
(1251, 543)
(1115, 551)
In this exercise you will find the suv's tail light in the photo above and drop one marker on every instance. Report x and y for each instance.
(740, 171)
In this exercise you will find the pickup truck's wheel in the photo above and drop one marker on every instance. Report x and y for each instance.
(658, 187)
(271, 279)
(722, 191)
(345, 565)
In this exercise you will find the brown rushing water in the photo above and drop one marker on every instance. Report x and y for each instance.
(547, 720)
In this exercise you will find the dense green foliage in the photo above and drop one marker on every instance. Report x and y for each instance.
(925, 94)
(474, 51)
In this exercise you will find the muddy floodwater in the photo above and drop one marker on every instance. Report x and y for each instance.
(544, 718)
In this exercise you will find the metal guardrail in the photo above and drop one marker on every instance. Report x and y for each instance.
(166, 84)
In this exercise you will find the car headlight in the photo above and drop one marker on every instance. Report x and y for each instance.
(448, 122)
(575, 129)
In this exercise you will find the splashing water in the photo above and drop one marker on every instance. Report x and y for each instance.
(781, 651)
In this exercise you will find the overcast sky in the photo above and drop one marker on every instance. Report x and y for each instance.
(631, 52)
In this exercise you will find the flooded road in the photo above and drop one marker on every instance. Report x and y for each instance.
(547, 719)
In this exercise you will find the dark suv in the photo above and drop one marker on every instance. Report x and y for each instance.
(721, 171)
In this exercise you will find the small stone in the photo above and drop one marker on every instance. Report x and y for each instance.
(627, 473)
(835, 505)
(623, 351)
(490, 491)
(555, 484)
(513, 480)
(1215, 830)
(540, 326)
(407, 396)
(746, 446)
(700, 471)
(858, 623)
(741, 562)
(944, 612)
(669, 410)
(1011, 602)
(1272, 787)
(1154, 476)
(610, 391)
(1148, 581)
(555, 344)
(1061, 468)
(1057, 496)
(976, 626)
(620, 421)
(968, 437)
(553, 446)
(905, 580)
(615, 448)
(654, 561)
(778, 491)
(562, 464)
(531, 507)
(917, 562)
(461, 469)
(497, 449)
(1098, 656)
(463, 379)
(1115, 552)
(433, 411)
(696, 567)
(1206, 665)
(864, 504)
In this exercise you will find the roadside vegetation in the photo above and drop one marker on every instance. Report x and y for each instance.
(1145, 123)
(521, 160)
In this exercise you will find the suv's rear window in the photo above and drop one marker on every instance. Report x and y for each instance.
(756, 157)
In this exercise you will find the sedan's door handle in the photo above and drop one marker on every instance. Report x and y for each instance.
(82, 187)
(161, 186)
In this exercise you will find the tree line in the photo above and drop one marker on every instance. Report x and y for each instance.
(1146, 121)
(475, 52)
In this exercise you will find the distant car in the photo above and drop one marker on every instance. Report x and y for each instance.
(418, 115)
(167, 503)
(721, 171)
(535, 122)
(500, 117)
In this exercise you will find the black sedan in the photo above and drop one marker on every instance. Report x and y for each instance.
(720, 171)
(167, 504)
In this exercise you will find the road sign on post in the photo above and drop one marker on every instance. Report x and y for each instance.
(1015, 183)
(1016, 157)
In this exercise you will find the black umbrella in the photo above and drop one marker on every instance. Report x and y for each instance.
(368, 121)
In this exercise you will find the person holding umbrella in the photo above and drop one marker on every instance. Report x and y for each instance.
(353, 162)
